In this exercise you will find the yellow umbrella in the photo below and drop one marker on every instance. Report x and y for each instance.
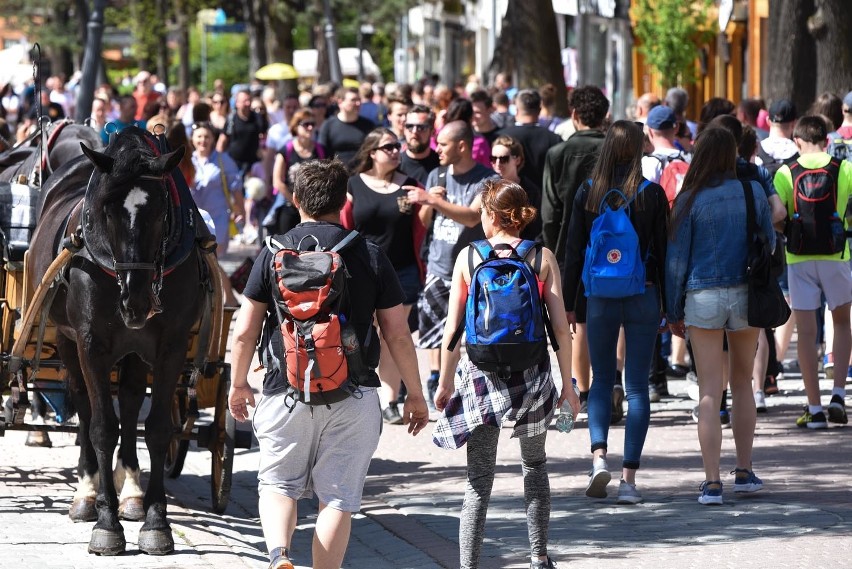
(347, 82)
(277, 72)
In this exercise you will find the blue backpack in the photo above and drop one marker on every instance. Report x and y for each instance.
(506, 322)
(614, 267)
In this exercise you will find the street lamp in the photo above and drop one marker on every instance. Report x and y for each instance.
(334, 71)
(91, 61)
(364, 31)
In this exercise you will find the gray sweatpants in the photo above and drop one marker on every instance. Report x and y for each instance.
(481, 458)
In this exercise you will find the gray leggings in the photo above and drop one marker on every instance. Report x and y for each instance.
(481, 458)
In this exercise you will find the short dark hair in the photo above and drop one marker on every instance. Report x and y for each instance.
(459, 110)
(731, 124)
(751, 108)
(481, 96)
(319, 187)
(812, 129)
(591, 105)
(528, 101)
(460, 131)
(423, 110)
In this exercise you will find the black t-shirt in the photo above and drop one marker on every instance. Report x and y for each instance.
(536, 141)
(244, 136)
(381, 219)
(373, 282)
(343, 139)
(419, 168)
(490, 136)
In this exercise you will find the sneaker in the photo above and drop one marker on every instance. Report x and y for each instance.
(828, 365)
(628, 494)
(837, 410)
(692, 385)
(849, 374)
(391, 415)
(746, 481)
(725, 419)
(677, 371)
(584, 409)
(812, 421)
(617, 404)
(653, 394)
(662, 385)
(770, 385)
(599, 477)
(695, 413)
(711, 493)
(546, 564)
(431, 389)
(280, 559)
(760, 402)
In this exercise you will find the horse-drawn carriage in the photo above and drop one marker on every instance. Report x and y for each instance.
(115, 295)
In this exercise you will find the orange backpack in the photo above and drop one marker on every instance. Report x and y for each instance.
(317, 340)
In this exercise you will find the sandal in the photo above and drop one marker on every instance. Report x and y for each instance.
(280, 558)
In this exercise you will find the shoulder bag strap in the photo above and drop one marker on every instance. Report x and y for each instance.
(229, 199)
(751, 224)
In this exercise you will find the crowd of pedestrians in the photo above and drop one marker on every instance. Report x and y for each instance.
(423, 171)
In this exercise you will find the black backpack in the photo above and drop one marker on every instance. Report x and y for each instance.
(773, 164)
(815, 227)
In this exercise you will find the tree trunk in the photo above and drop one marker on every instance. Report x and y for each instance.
(184, 78)
(162, 44)
(525, 49)
(279, 40)
(81, 13)
(256, 32)
(831, 27)
(323, 71)
(792, 53)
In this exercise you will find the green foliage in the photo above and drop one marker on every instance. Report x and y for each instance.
(670, 32)
(227, 58)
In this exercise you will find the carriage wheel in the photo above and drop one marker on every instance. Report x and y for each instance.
(176, 453)
(222, 445)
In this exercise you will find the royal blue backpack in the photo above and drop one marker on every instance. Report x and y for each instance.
(614, 266)
(505, 321)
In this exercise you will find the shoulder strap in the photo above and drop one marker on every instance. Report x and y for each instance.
(346, 241)
(273, 244)
(617, 192)
(288, 151)
(751, 224)
(523, 249)
(320, 150)
(482, 247)
(442, 173)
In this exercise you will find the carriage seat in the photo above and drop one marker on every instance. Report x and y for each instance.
(16, 250)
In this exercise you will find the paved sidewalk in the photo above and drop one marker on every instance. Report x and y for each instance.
(413, 496)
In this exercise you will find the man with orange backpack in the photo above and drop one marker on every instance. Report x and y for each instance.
(319, 420)
(667, 165)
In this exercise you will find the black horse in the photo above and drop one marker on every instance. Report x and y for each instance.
(63, 145)
(133, 293)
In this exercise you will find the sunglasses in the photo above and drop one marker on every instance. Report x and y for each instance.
(500, 159)
(217, 102)
(390, 147)
(318, 105)
(416, 127)
(307, 124)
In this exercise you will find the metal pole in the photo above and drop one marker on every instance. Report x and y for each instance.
(91, 61)
(360, 42)
(331, 46)
(404, 42)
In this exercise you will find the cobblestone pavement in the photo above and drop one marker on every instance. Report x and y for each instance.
(412, 502)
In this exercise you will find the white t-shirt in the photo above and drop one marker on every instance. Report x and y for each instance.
(652, 166)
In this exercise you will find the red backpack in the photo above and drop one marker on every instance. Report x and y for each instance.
(318, 343)
(672, 177)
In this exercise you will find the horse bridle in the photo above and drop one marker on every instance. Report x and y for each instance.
(158, 263)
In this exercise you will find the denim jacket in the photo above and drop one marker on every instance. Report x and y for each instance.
(708, 248)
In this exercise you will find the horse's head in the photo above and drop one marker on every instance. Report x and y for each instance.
(128, 217)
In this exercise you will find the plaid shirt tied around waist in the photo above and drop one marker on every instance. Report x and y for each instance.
(529, 398)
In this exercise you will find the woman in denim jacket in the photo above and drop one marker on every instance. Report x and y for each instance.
(619, 166)
(707, 294)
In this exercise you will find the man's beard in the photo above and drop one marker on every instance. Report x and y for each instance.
(418, 146)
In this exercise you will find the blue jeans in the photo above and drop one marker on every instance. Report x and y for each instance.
(640, 316)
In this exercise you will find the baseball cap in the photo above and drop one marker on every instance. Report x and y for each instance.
(782, 110)
(661, 118)
(847, 101)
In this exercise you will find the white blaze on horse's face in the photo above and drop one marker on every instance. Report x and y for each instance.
(135, 199)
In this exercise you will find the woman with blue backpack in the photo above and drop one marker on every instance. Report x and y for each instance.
(616, 247)
(502, 290)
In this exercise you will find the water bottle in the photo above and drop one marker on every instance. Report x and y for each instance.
(358, 371)
(565, 421)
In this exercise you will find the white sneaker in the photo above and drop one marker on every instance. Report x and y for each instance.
(598, 479)
(760, 401)
(692, 386)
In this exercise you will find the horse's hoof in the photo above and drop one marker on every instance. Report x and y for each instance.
(83, 510)
(131, 509)
(38, 439)
(156, 541)
(107, 542)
